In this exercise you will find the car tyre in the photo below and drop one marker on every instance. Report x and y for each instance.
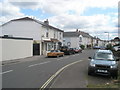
(89, 72)
(115, 76)
(57, 56)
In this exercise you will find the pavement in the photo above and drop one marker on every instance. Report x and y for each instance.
(71, 77)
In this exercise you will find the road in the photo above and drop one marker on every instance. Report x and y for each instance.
(34, 73)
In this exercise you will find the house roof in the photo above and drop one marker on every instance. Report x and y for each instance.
(37, 21)
(71, 34)
(76, 34)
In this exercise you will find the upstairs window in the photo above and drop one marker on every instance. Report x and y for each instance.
(60, 36)
(47, 33)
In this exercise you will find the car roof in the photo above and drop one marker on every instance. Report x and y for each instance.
(105, 51)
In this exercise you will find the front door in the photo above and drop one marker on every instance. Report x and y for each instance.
(36, 49)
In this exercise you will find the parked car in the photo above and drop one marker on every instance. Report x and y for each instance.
(67, 50)
(96, 47)
(116, 48)
(77, 50)
(72, 50)
(55, 53)
(102, 47)
(103, 63)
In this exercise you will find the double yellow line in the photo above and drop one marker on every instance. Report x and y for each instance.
(53, 76)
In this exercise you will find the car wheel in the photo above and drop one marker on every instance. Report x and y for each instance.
(115, 76)
(70, 53)
(89, 72)
(57, 56)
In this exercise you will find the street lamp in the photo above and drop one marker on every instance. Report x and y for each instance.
(108, 36)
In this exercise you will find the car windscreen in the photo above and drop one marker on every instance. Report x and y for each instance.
(53, 51)
(104, 56)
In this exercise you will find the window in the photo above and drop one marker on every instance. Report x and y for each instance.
(60, 35)
(80, 39)
(54, 34)
(47, 33)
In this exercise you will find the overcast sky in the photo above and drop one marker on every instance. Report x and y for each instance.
(92, 16)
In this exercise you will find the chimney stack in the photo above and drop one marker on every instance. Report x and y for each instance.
(76, 30)
(46, 22)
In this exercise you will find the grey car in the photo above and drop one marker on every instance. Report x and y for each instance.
(104, 63)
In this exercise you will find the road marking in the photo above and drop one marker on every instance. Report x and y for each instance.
(53, 76)
(39, 64)
(6, 72)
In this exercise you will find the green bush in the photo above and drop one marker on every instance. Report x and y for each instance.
(82, 46)
(109, 47)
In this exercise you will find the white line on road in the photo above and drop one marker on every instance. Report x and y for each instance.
(54, 75)
(39, 64)
(6, 72)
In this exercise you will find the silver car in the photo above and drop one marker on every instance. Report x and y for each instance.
(104, 63)
(116, 48)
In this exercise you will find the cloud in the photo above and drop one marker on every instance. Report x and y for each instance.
(95, 25)
(26, 4)
(67, 14)
(66, 21)
(8, 12)
(57, 7)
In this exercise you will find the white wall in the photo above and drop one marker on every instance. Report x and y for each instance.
(73, 40)
(0, 49)
(16, 49)
(27, 29)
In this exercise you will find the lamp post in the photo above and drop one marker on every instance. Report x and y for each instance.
(108, 36)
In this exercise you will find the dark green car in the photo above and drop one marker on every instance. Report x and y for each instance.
(103, 63)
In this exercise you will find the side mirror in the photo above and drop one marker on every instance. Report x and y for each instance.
(117, 59)
(90, 57)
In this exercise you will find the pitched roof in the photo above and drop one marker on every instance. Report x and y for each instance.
(84, 34)
(76, 34)
(71, 34)
(37, 21)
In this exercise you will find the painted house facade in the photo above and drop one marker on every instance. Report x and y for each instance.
(98, 42)
(77, 38)
(45, 36)
(72, 39)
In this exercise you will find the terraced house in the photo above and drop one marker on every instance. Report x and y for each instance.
(78, 38)
(45, 37)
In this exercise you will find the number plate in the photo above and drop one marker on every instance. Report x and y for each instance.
(104, 71)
